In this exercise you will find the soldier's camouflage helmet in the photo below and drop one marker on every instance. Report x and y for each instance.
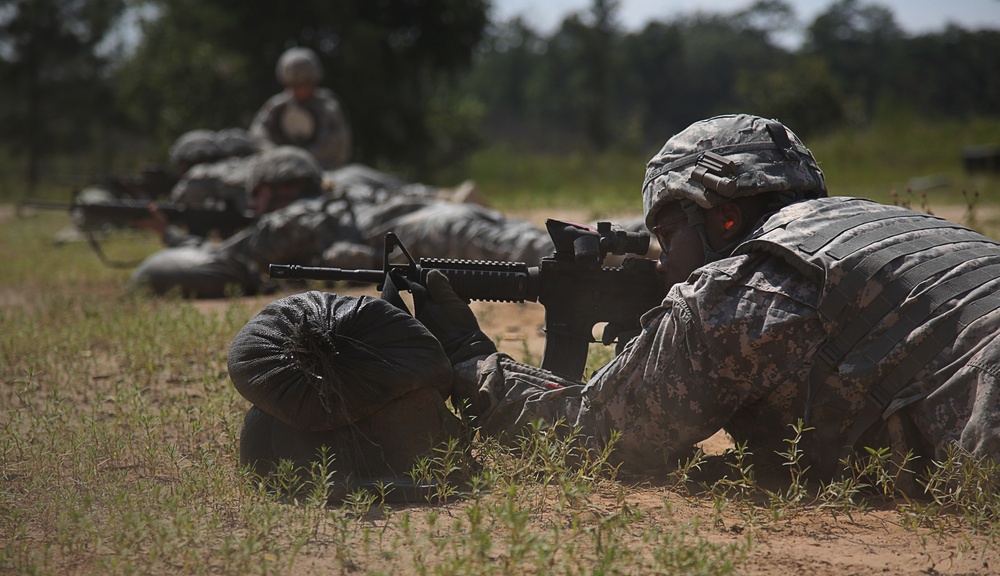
(299, 66)
(194, 147)
(726, 157)
(286, 164)
(235, 142)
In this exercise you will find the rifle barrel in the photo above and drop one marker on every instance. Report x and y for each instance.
(46, 204)
(296, 272)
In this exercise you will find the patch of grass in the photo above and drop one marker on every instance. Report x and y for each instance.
(512, 179)
(118, 455)
(119, 437)
(908, 156)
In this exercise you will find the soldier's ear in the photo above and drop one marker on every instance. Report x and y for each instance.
(731, 221)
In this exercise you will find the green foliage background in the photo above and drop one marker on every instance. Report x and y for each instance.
(98, 86)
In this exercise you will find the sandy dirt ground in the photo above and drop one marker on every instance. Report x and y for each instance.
(806, 541)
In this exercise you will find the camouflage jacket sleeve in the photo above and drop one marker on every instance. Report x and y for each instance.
(719, 343)
(332, 145)
(263, 128)
(297, 234)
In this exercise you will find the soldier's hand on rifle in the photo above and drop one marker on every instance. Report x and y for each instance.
(156, 221)
(451, 321)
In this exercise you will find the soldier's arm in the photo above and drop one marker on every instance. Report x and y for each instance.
(334, 140)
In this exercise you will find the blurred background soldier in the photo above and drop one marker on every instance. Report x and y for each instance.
(463, 230)
(222, 182)
(304, 114)
(192, 148)
(302, 223)
(216, 166)
(183, 181)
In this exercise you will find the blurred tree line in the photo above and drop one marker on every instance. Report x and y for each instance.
(591, 83)
(72, 83)
(425, 82)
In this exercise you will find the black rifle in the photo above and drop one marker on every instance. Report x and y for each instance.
(97, 216)
(198, 221)
(572, 284)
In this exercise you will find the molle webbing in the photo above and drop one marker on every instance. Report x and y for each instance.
(848, 288)
(828, 235)
(850, 332)
(936, 341)
(825, 236)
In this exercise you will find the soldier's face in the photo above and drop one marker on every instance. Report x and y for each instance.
(301, 92)
(681, 248)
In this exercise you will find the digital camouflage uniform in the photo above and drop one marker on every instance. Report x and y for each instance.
(192, 148)
(877, 325)
(221, 183)
(466, 231)
(197, 179)
(329, 140)
(350, 176)
(342, 230)
(217, 166)
(316, 124)
(214, 270)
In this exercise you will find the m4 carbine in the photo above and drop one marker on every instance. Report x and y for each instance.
(572, 284)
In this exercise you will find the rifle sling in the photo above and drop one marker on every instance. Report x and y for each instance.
(95, 245)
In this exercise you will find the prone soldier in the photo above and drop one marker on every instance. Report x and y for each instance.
(300, 224)
(875, 325)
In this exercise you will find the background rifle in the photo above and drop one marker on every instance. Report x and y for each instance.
(97, 216)
(573, 286)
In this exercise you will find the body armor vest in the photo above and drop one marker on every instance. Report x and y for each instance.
(297, 123)
(897, 288)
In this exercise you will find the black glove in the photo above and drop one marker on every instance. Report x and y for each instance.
(450, 319)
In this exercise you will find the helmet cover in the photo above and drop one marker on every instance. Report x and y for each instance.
(195, 147)
(299, 66)
(719, 159)
(284, 164)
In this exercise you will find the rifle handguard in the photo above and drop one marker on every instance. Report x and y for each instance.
(576, 291)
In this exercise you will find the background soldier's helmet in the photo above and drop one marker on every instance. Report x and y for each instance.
(287, 164)
(726, 157)
(235, 142)
(194, 147)
(299, 66)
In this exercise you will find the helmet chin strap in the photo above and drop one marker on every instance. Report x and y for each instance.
(696, 218)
